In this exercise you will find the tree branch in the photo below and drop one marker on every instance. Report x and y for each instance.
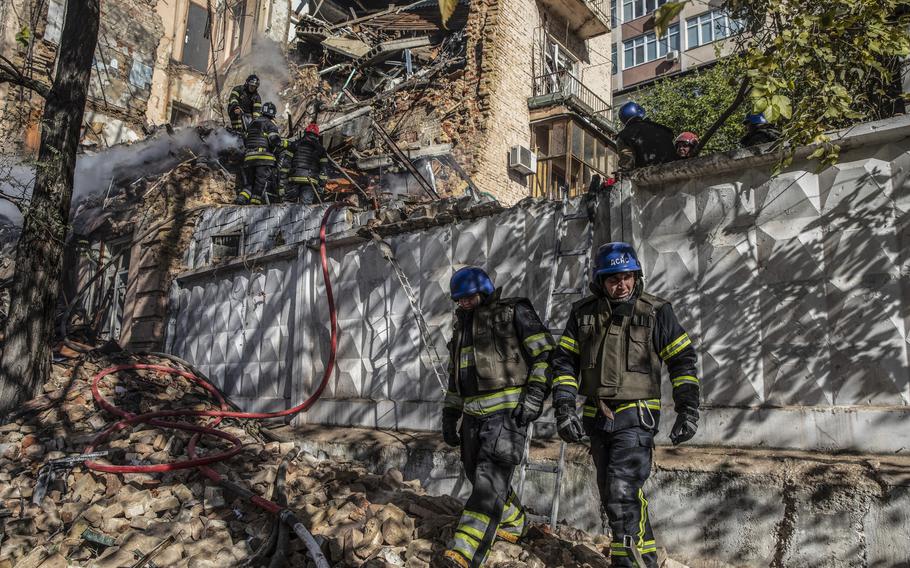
(9, 73)
(744, 87)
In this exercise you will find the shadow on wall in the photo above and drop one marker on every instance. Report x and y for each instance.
(793, 288)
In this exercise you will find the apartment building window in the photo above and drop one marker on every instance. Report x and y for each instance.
(632, 9)
(647, 47)
(709, 27)
(613, 63)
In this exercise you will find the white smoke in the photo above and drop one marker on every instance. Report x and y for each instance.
(97, 172)
(268, 60)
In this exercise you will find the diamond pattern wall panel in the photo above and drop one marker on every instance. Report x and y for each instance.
(795, 287)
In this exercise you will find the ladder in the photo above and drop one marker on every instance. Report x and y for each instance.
(561, 259)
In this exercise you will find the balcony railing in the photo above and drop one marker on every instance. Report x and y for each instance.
(601, 8)
(564, 88)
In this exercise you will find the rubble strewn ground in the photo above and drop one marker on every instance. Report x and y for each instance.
(106, 520)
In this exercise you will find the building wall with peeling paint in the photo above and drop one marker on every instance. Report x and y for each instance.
(794, 289)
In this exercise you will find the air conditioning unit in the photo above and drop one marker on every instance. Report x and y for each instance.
(522, 160)
(672, 55)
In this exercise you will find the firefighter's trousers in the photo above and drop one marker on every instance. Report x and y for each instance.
(622, 458)
(491, 447)
(259, 177)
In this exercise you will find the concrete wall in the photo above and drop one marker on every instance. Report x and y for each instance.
(795, 288)
(710, 508)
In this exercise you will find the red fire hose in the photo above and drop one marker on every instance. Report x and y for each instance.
(154, 418)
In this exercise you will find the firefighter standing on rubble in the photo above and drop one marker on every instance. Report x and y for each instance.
(642, 142)
(498, 381)
(308, 160)
(262, 144)
(611, 352)
(243, 101)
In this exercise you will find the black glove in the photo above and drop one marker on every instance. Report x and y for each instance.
(450, 418)
(685, 426)
(567, 422)
(531, 405)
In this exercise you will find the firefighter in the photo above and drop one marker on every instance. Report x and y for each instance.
(611, 352)
(498, 381)
(309, 161)
(642, 142)
(685, 144)
(244, 104)
(758, 130)
(261, 144)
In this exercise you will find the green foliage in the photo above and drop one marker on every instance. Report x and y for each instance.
(694, 101)
(24, 37)
(817, 66)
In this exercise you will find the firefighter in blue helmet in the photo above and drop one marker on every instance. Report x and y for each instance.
(262, 145)
(758, 130)
(642, 142)
(498, 381)
(611, 352)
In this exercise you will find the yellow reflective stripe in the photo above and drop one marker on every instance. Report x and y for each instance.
(643, 519)
(255, 104)
(569, 344)
(675, 346)
(477, 516)
(684, 379)
(267, 157)
(589, 411)
(539, 373)
(467, 358)
(514, 515)
(565, 380)
(538, 343)
(471, 533)
(486, 404)
(653, 404)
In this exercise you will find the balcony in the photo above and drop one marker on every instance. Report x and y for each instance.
(586, 18)
(564, 89)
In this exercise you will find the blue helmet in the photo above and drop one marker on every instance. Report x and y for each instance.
(470, 280)
(755, 119)
(613, 258)
(629, 111)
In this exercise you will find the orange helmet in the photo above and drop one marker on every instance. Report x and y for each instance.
(312, 127)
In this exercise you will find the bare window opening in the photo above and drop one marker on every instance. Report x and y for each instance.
(182, 115)
(226, 246)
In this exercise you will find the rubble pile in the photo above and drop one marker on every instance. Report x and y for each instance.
(59, 514)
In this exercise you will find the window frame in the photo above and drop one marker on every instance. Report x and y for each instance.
(710, 18)
(661, 46)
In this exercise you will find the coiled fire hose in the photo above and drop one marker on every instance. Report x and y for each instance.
(128, 419)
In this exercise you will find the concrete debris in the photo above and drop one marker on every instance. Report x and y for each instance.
(104, 520)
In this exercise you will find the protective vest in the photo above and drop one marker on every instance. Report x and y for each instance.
(497, 348)
(309, 158)
(260, 140)
(618, 359)
(652, 143)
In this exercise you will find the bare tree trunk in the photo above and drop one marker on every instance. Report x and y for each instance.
(26, 358)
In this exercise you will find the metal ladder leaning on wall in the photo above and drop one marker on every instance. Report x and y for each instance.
(560, 259)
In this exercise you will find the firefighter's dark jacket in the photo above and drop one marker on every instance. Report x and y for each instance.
(262, 141)
(249, 103)
(613, 351)
(760, 135)
(645, 143)
(499, 347)
(308, 159)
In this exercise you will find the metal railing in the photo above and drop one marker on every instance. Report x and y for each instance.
(601, 8)
(563, 85)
